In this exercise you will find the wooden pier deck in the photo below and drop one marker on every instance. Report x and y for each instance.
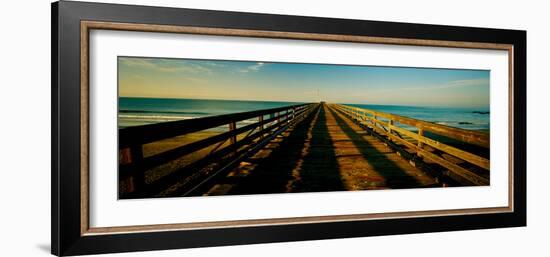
(328, 152)
(314, 147)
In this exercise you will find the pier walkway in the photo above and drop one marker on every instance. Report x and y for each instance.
(316, 147)
(328, 152)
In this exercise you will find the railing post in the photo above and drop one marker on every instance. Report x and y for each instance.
(233, 138)
(134, 154)
(125, 156)
(232, 127)
(261, 120)
(420, 144)
(390, 124)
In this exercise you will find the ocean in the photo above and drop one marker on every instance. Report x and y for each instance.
(141, 111)
(465, 118)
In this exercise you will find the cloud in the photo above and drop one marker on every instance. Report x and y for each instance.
(137, 62)
(469, 82)
(450, 84)
(252, 68)
(167, 65)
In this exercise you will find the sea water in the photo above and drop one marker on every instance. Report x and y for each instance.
(458, 117)
(142, 111)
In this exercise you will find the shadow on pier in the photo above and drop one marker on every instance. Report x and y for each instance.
(326, 152)
(315, 147)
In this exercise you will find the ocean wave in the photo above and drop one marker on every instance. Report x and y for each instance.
(165, 112)
(154, 117)
(471, 125)
(451, 123)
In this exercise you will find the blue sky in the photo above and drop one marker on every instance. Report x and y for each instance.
(266, 81)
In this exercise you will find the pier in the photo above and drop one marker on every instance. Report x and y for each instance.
(315, 147)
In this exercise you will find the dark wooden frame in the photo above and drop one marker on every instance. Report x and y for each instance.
(72, 236)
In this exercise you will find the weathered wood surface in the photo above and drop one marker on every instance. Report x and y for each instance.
(450, 157)
(327, 152)
(467, 136)
(133, 165)
(140, 135)
(303, 148)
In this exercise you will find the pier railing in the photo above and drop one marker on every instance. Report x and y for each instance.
(224, 149)
(416, 141)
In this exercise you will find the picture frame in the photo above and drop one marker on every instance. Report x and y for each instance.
(71, 26)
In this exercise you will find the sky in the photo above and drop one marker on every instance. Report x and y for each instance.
(294, 82)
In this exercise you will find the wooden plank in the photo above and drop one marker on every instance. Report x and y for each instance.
(455, 169)
(403, 141)
(469, 157)
(169, 155)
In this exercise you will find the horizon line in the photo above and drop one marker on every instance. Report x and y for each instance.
(285, 101)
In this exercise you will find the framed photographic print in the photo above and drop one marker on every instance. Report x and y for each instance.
(177, 128)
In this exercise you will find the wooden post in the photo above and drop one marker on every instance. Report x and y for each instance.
(420, 144)
(232, 127)
(261, 119)
(390, 124)
(233, 138)
(137, 181)
(125, 156)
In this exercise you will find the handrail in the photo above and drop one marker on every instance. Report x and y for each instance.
(133, 163)
(388, 128)
(158, 131)
(466, 136)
